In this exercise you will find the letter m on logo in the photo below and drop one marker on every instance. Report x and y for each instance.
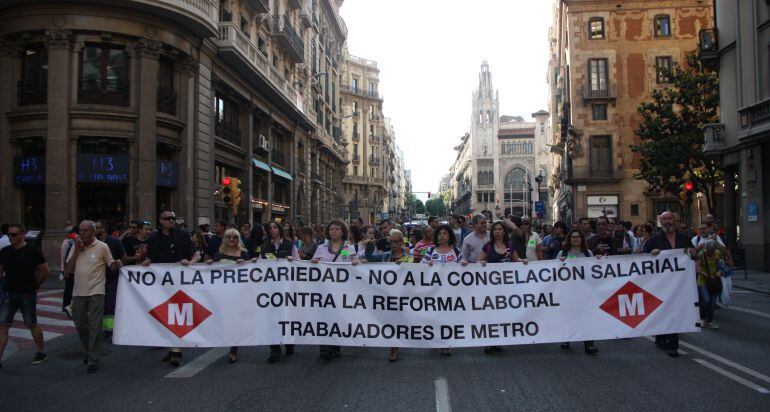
(180, 314)
(631, 304)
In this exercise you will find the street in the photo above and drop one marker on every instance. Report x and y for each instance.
(722, 369)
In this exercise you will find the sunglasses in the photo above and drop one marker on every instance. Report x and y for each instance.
(168, 218)
(13, 234)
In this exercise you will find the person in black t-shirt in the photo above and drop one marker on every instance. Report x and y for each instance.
(136, 246)
(216, 239)
(111, 286)
(23, 268)
(170, 245)
(603, 243)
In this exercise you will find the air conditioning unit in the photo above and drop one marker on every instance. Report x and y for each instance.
(264, 144)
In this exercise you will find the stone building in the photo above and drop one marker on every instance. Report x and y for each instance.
(603, 65)
(737, 46)
(127, 108)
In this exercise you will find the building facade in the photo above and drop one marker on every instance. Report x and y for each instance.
(604, 63)
(118, 110)
(737, 46)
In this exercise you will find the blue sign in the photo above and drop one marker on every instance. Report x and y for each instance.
(29, 170)
(753, 212)
(540, 208)
(102, 168)
(167, 173)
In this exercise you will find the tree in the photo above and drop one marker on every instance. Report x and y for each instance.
(671, 131)
(435, 207)
(419, 207)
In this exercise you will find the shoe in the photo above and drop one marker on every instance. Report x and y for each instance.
(289, 350)
(564, 345)
(497, 348)
(591, 351)
(393, 355)
(273, 359)
(68, 311)
(709, 325)
(674, 353)
(700, 323)
(175, 359)
(445, 352)
(232, 357)
(489, 349)
(92, 368)
(166, 357)
(40, 357)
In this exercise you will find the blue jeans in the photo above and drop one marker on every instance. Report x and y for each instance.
(24, 302)
(707, 304)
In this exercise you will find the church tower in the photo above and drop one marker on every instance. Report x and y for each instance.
(485, 122)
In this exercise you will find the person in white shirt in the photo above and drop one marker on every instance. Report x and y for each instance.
(703, 236)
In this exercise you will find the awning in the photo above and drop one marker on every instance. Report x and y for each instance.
(282, 174)
(260, 164)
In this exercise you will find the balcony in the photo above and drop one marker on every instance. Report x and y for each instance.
(261, 6)
(754, 119)
(238, 50)
(356, 158)
(596, 174)
(228, 132)
(713, 143)
(374, 160)
(346, 88)
(364, 180)
(375, 139)
(166, 101)
(104, 91)
(598, 95)
(199, 16)
(708, 47)
(306, 16)
(30, 92)
(288, 37)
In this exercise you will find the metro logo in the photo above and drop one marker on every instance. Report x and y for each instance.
(180, 314)
(631, 304)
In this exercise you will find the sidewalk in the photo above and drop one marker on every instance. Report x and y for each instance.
(753, 281)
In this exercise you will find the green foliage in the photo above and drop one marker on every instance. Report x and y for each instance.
(435, 206)
(671, 131)
(418, 207)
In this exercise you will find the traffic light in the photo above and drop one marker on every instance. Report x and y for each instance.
(235, 194)
(688, 190)
(225, 193)
(428, 195)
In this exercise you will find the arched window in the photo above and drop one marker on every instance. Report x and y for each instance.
(595, 28)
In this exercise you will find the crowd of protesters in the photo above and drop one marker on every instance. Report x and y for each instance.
(91, 257)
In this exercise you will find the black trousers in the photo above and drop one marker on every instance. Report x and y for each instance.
(69, 284)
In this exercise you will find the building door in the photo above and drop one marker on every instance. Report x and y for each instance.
(102, 202)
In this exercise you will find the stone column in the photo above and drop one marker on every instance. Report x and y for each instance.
(59, 191)
(147, 52)
(730, 206)
(9, 56)
(247, 182)
(269, 199)
(188, 69)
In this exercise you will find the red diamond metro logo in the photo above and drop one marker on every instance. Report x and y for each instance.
(180, 314)
(631, 304)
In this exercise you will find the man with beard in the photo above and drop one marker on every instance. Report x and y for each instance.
(668, 238)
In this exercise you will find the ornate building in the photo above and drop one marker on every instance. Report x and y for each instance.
(603, 65)
(127, 108)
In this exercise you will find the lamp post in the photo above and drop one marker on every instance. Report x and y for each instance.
(539, 179)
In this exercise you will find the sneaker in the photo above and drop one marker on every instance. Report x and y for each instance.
(40, 357)
(68, 311)
(175, 359)
(709, 325)
(166, 357)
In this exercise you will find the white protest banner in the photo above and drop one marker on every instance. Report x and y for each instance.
(407, 305)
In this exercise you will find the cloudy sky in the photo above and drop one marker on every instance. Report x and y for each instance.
(429, 53)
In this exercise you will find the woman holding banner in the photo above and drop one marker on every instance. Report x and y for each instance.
(334, 250)
(445, 251)
(575, 247)
(278, 246)
(231, 250)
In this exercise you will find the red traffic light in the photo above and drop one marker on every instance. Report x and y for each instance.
(226, 181)
(428, 195)
(688, 186)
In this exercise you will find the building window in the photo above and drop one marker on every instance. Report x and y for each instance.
(226, 120)
(634, 210)
(225, 11)
(662, 25)
(663, 69)
(371, 89)
(371, 112)
(245, 26)
(355, 108)
(355, 85)
(597, 74)
(601, 156)
(33, 86)
(166, 93)
(371, 130)
(595, 28)
(103, 76)
(599, 111)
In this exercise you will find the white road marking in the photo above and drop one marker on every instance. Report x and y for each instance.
(442, 395)
(25, 334)
(749, 311)
(732, 376)
(188, 370)
(42, 320)
(48, 308)
(727, 362)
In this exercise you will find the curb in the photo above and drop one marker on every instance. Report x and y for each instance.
(762, 291)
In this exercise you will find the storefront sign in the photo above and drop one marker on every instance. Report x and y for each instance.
(102, 168)
(167, 173)
(29, 170)
(602, 200)
(753, 212)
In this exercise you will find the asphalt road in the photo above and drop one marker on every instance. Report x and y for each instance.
(722, 370)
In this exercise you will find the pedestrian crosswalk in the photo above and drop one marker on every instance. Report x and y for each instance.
(49, 316)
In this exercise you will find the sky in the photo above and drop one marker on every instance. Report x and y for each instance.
(429, 53)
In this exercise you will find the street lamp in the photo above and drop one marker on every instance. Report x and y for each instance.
(539, 179)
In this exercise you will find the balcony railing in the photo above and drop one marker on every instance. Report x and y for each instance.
(228, 132)
(306, 16)
(754, 116)
(356, 158)
(283, 29)
(166, 101)
(374, 160)
(32, 92)
(360, 92)
(601, 94)
(200, 16)
(603, 172)
(104, 91)
(375, 139)
(261, 6)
